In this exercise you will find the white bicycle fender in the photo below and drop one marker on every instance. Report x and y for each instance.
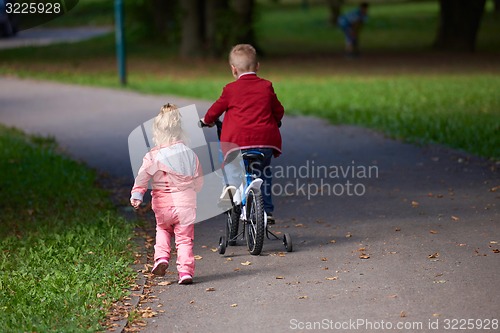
(254, 185)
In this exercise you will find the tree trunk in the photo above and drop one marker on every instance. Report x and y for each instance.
(192, 26)
(163, 14)
(334, 7)
(218, 26)
(459, 24)
(244, 10)
(497, 6)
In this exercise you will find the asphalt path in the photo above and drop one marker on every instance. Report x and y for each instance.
(411, 245)
(46, 36)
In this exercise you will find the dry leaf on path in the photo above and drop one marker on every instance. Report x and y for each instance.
(433, 232)
(415, 204)
(324, 259)
(197, 257)
(246, 263)
(455, 218)
(210, 289)
(333, 278)
(234, 305)
(433, 256)
(303, 297)
(364, 256)
(165, 283)
(280, 278)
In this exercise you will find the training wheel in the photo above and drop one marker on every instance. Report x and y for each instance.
(222, 245)
(287, 241)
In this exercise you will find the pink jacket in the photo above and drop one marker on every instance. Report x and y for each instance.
(175, 173)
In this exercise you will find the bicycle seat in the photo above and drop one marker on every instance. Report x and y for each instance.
(253, 156)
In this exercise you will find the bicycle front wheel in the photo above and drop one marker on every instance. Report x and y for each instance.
(254, 226)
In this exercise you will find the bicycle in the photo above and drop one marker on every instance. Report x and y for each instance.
(250, 211)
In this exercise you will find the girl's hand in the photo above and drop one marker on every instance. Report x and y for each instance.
(135, 203)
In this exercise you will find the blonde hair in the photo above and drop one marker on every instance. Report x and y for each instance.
(167, 126)
(244, 58)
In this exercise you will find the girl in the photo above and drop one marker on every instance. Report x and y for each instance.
(175, 173)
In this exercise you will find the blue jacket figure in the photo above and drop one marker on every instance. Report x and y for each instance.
(351, 23)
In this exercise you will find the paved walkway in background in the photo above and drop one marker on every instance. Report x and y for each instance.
(47, 36)
(427, 224)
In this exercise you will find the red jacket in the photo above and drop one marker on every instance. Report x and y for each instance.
(252, 114)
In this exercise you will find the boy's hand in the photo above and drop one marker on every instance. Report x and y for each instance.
(205, 124)
(135, 203)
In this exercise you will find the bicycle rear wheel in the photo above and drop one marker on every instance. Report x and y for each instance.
(254, 226)
(233, 221)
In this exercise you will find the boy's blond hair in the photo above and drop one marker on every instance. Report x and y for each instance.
(244, 58)
(167, 126)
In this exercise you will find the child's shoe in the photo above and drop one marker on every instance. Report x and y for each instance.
(185, 278)
(160, 267)
(270, 219)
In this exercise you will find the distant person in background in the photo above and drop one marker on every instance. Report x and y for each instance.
(351, 24)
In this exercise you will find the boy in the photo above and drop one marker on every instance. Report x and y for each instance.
(351, 24)
(253, 114)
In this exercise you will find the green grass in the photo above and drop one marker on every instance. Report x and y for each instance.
(65, 253)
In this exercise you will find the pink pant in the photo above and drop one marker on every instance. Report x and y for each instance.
(178, 222)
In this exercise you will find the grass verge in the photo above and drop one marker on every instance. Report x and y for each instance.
(65, 253)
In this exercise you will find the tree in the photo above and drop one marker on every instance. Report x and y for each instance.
(192, 28)
(209, 28)
(459, 24)
(334, 7)
(497, 6)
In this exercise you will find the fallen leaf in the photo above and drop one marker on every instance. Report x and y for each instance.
(303, 297)
(433, 256)
(236, 269)
(300, 225)
(493, 242)
(454, 218)
(348, 235)
(496, 250)
(364, 256)
(197, 257)
(494, 189)
(210, 289)
(165, 283)
(402, 314)
(440, 281)
(397, 229)
(393, 296)
(234, 305)
(333, 241)
(214, 249)
(229, 259)
(362, 249)
(433, 232)
(280, 277)
(281, 254)
(415, 204)
(246, 263)
(333, 278)
(324, 259)
(436, 315)
(191, 302)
